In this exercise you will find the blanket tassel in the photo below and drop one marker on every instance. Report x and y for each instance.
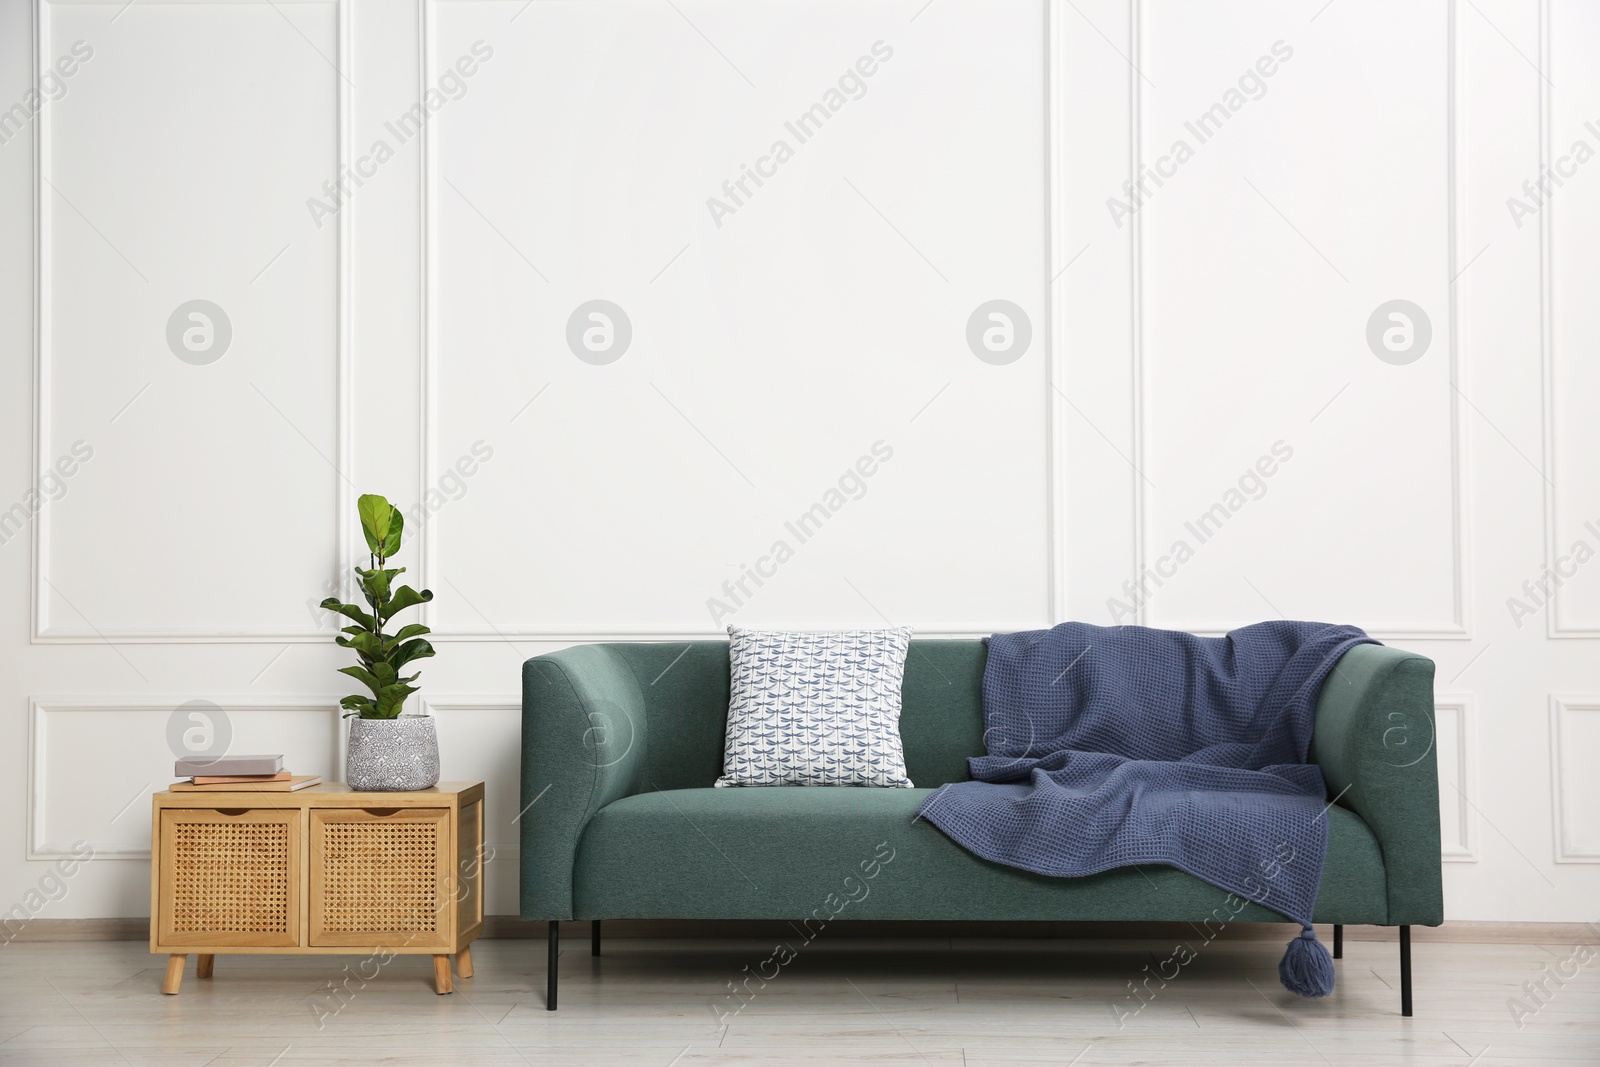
(1306, 969)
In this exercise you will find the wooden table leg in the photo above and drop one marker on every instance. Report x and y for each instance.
(202, 966)
(441, 975)
(464, 962)
(174, 978)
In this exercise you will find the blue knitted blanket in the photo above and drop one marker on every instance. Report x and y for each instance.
(1120, 746)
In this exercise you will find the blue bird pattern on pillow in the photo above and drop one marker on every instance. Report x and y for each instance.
(815, 708)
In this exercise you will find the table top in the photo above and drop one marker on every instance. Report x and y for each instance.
(328, 794)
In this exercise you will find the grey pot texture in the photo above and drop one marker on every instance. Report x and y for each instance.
(391, 755)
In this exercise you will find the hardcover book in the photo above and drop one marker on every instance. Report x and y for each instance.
(224, 779)
(232, 765)
(295, 783)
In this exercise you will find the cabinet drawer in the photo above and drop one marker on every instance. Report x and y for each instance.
(229, 877)
(381, 877)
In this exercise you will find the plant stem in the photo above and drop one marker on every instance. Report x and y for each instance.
(377, 621)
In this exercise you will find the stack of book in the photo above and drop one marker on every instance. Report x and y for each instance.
(235, 773)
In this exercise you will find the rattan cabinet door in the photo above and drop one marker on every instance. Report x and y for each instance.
(381, 879)
(229, 878)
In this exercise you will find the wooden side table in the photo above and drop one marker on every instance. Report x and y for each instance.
(324, 870)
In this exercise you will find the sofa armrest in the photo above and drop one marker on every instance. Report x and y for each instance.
(1375, 742)
(583, 739)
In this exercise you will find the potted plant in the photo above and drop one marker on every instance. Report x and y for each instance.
(387, 750)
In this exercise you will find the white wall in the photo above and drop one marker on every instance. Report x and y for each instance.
(1213, 322)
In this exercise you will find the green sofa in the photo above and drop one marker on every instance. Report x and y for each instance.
(621, 744)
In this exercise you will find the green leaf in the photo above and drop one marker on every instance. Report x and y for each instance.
(376, 585)
(365, 677)
(414, 629)
(376, 513)
(414, 649)
(354, 706)
(392, 699)
(350, 611)
(391, 543)
(407, 597)
(363, 573)
(365, 642)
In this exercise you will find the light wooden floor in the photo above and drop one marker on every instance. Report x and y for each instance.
(857, 1001)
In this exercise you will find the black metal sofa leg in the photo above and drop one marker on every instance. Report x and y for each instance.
(1338, 941)
(594, 938)
(555, 953)
(1405, 971)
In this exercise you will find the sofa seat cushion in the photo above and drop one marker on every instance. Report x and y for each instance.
(785, 852)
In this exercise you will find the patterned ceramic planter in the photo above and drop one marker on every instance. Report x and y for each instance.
(391, 755)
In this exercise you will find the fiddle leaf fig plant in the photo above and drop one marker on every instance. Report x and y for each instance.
(382, 655)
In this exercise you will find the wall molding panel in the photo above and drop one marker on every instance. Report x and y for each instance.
(1459, 810)
(46, 194)
(43, 845)
(1456, 627)
(1576, 840)
(1048, 336)
(1556, 625)
(1057, 260)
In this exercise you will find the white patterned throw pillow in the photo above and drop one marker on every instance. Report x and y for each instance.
(815, 708)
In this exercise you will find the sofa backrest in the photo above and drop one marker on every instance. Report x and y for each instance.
(685, 689)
